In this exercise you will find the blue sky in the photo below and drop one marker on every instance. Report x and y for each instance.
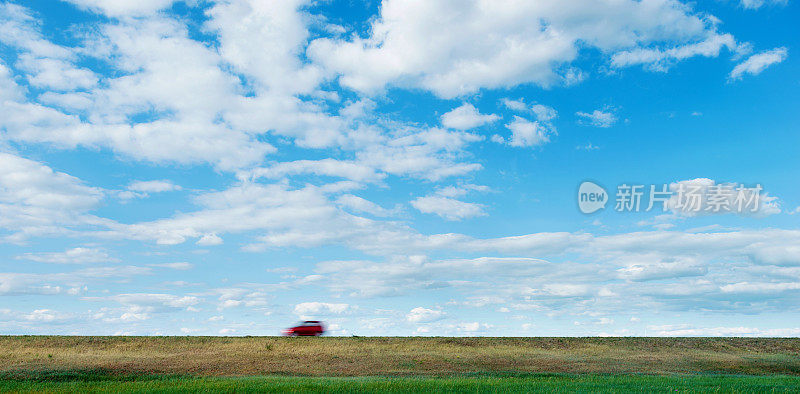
(395, 168)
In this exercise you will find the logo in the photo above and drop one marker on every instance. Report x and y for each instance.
(591, 197)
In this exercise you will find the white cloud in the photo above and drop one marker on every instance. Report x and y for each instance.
(71, 283)
(359, 204)
(123, 8)
(56, 73)
(444, 204)
(588, 147)
(428, 154)
(756, 4)
(516, 105)
(768, 287)
(326, 167)
(157, 186)
(320, 308)
(9, 90)
(461, 189)
(145, 52)
(658, 59)
(757, 63)
(19, 28)
(288, 215)
(659, 269)
(69, 101)
(466, 117)
(264, 40)
(645, 268)
(455, 50)
(155, 302)
(703, 196)
(46, 316)
(448, 208)
(472, 327)
(543, 112)
(34, 199)
(182, 266)
(424, 315)
(210, 240)
(599, 118)
(525, 133)
(148, 109)
(70, 256)
(235, 297)
(685, 330)
(47, 65)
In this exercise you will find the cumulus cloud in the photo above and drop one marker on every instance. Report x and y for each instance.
(598, 118)
(526, 133)
(234, 297)
(453, 51)
(35, 200)
(424, 315)
(56, 74)
(466, 117)
(515, 105)
(542, 112)
(149, 82)
(210, 240)
(757, 63)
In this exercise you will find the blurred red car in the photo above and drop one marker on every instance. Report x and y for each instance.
(306, 328)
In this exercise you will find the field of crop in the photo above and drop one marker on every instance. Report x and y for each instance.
(78, 364)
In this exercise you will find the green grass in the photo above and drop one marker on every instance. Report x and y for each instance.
(100, 381)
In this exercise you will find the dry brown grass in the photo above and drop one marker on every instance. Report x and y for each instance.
(368, 356)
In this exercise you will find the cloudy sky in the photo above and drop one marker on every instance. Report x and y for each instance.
(228, 167)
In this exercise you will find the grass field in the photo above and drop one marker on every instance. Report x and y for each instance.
(502, 384)
(77, 364)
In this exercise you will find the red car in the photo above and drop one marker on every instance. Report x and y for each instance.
(306, 328)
